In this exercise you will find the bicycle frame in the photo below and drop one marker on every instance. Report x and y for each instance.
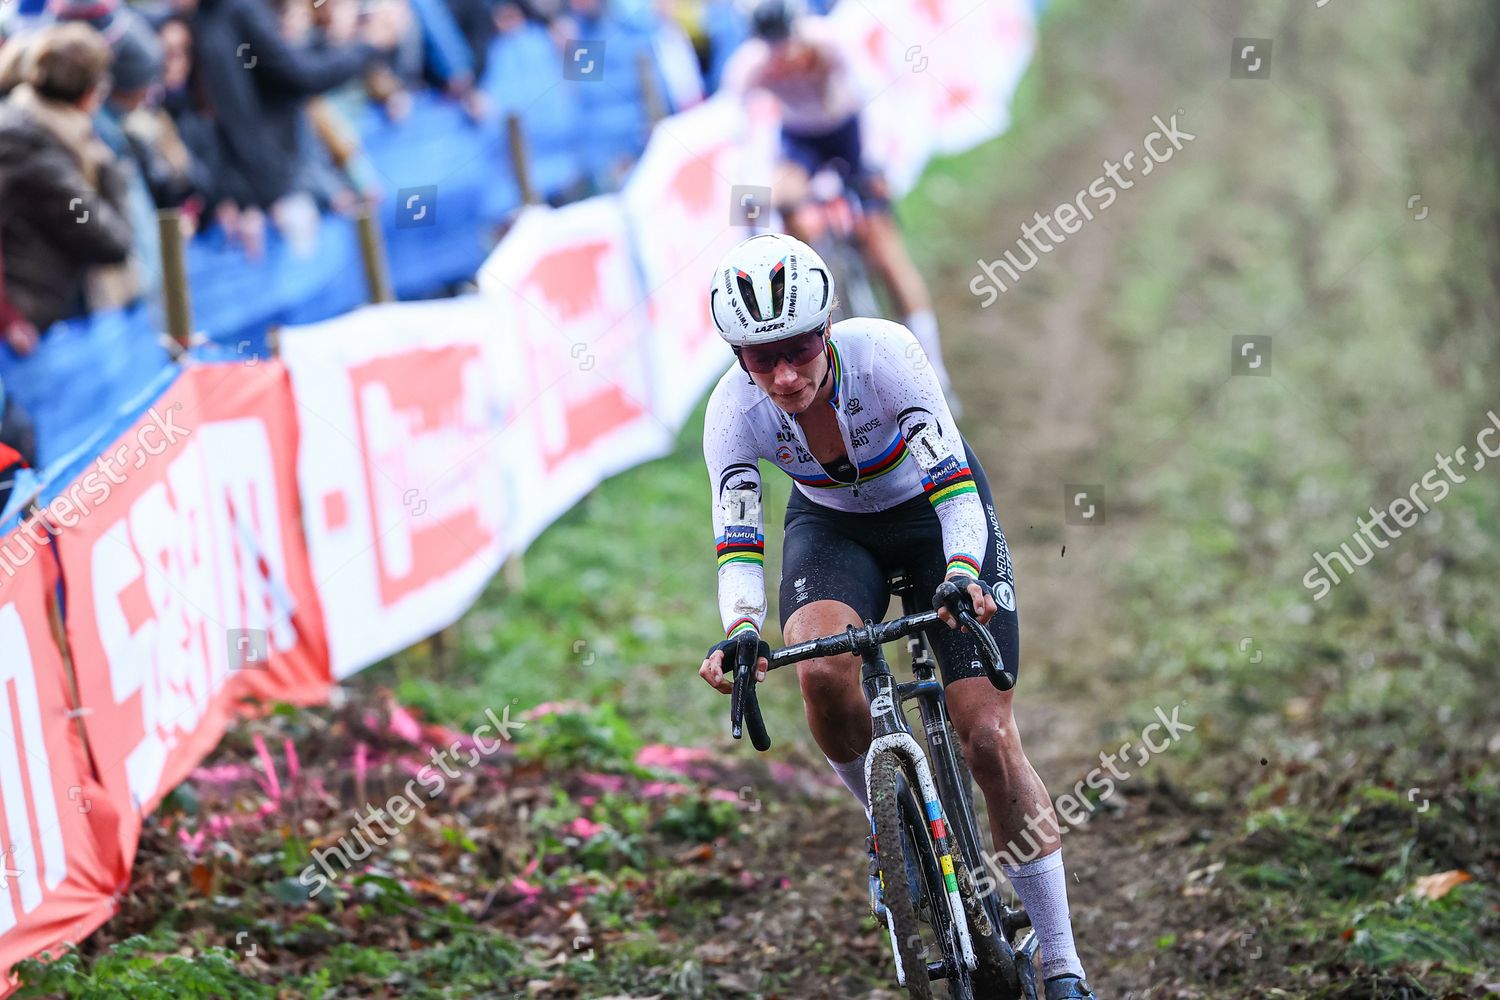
(952, 784)
(890, 732)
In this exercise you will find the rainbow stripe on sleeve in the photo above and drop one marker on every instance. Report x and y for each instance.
(962, 562)
(950, 480)
(739, 625)
(741, 544)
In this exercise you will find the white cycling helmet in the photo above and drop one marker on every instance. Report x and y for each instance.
(768, 288)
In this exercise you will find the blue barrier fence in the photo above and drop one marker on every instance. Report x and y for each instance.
(447, 183)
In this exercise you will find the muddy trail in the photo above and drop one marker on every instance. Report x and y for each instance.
(1277, 852)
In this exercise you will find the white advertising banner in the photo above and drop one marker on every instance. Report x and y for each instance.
(409, 487)
(567, 287)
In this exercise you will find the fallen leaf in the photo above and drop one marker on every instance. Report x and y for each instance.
(1437, 886)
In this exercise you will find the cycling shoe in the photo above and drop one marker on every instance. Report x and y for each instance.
(1069, 988)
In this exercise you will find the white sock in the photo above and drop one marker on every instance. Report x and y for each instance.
(1043, 888)
(852, 774)
(923, 326)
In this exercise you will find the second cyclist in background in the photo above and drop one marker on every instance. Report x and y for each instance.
(799, 59)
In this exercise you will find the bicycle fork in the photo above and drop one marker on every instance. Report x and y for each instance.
(890, 733)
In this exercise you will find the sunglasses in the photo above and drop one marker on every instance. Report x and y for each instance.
(761, 359)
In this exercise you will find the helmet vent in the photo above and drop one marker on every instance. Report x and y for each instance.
(747, 292)
(778, 288)
(827, 283)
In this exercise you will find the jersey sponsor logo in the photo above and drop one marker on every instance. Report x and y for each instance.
(945, 470)
(784, 455)
(855, 406)
(1002, 552)
(1005, 595)
(867, 426)
(740, 534)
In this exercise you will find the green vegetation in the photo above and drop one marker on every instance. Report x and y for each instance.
(1328, 717)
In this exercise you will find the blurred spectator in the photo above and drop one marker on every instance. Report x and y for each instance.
(135, 66)
(65, 233)
(135, 105)
(257, 83)
(185, 101)
(477, 24)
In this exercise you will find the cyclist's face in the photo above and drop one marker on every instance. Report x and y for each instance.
(793, 387)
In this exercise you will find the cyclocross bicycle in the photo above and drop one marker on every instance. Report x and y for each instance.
(837, 209)
(922, 811)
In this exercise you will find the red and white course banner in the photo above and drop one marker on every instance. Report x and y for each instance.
(943, 83)
(187, 579)
(408, 477)
(679, 201)
(565, 289)
(61, 864)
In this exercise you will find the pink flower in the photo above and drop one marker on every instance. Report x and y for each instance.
(555, 708)
(527, 891)
(404, 725)
(604, 782)
(658, 789)
(670, 758)
(583, 828)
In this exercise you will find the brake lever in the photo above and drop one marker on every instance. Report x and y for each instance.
(989, 652)
(744, 706)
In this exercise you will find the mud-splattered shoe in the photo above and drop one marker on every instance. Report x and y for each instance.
(1069, 988)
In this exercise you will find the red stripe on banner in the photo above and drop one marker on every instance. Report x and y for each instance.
(335, 510)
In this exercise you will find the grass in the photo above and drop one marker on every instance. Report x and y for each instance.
(1230, 485)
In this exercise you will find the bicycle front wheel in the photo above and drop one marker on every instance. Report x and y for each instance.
(913, 886)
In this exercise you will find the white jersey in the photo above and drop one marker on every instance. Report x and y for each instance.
(816, 96)
(899, 438)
